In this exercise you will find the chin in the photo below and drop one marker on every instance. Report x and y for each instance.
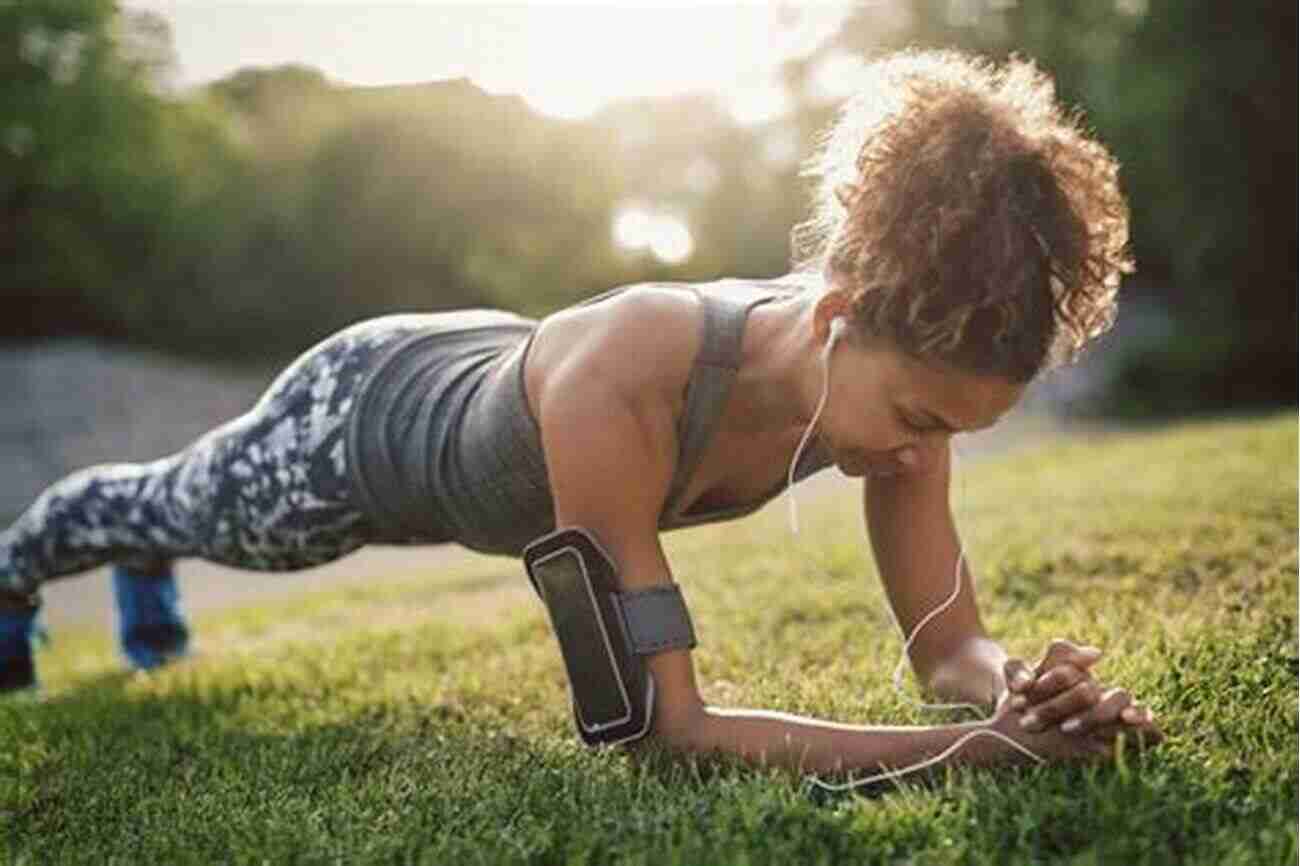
(851, 465)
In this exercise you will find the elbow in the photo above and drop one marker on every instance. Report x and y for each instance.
(683, 729)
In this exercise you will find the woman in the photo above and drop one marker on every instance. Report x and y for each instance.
(967, 237)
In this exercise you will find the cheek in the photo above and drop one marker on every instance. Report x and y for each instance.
(861, 426)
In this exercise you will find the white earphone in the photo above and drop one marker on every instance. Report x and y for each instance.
(837, 330)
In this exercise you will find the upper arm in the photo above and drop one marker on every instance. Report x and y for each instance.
(610, 445)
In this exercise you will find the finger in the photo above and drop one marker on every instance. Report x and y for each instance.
(1139, 720)
(1072, 702)
(1055, 681)
(1062, 651)
(1137, 714)
(1107, 710)
(1018, 675)
(1141, 736)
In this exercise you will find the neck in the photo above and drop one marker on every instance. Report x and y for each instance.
(780, 377)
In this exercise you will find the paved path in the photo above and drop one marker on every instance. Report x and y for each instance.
(88, 598)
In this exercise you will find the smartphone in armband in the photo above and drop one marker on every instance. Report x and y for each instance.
(604, 634)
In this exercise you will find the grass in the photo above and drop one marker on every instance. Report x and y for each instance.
(427, 722)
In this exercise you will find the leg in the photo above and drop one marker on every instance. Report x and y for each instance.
(17, 629)
(151, 628)
(267, 491)
(106, 513)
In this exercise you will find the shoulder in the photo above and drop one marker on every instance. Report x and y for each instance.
(609, 387)
(640, 343)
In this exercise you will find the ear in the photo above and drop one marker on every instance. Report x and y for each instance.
(833, 303)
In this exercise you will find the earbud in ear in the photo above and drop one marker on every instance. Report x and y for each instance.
(837, 330)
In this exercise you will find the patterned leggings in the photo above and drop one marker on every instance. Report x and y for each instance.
(267, 491)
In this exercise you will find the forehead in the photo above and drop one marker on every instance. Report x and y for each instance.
(968, 401)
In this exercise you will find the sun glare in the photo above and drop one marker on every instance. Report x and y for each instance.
(565, 60)
(837, 76)
(630, 52)
(666, 236)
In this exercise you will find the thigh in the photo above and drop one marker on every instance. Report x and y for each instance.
(270, 489)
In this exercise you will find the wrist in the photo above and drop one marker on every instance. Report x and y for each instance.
(971, 671)
(985, 744)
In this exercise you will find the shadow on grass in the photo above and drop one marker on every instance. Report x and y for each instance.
(211, 775)
(256, 771)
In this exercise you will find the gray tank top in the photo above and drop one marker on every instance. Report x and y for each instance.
(442, 445)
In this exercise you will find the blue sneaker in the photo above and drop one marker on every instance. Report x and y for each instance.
(18, 625)
(151, 627)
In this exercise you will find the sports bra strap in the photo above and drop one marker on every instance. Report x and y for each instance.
(722, 332)
(710, 382)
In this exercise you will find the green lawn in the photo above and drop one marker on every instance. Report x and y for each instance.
(428, 722)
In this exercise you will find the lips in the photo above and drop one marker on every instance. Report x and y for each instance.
(877, 468)
(860, 469)
(860, 464)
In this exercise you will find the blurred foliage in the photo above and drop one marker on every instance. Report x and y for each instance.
(251, 217)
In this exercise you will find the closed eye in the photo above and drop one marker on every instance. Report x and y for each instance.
(915, 425)
(923, 424)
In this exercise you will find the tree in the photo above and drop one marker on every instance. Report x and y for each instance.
(80, 176)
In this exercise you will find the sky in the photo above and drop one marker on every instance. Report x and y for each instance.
(565, 60)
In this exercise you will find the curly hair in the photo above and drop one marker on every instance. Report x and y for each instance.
(972, 219)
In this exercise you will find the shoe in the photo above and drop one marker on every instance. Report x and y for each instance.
(17, 669)
(151, 627)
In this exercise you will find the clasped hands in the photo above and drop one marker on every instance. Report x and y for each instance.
(1056, 708)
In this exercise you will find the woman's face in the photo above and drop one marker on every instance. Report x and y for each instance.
(890, 414)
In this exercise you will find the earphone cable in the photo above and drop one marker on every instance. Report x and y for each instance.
(981, 728)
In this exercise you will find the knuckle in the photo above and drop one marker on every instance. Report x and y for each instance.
(1078, 704)
(1064, 677)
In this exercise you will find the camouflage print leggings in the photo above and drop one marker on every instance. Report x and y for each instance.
(266, 491)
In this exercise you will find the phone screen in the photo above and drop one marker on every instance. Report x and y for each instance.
(583, 642)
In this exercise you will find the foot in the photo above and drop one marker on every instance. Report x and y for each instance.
(151, 628)
(17, 669)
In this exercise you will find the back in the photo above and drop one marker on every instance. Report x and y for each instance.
(470, 465)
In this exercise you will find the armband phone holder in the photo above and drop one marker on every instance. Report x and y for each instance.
(605, 634)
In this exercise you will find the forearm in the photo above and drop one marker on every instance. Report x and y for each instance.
(928, 582)
(767, 739)
(919, 556)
